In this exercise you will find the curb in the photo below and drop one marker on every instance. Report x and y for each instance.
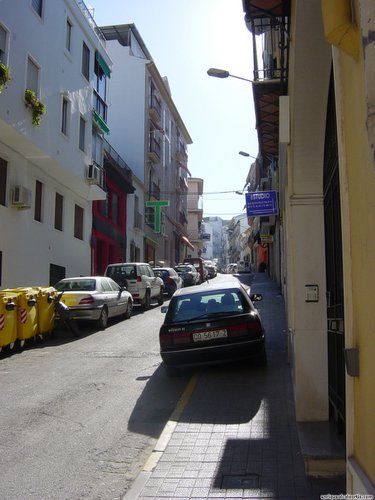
(162, 442)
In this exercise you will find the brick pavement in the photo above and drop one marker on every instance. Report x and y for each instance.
(235, 436)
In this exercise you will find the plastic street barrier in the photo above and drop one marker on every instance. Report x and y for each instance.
(46, 311)
(8, 319)
(27, 313)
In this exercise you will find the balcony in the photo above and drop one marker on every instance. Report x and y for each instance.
(154, 191)
(181, 185)
(267, 20)
(181, 154)
(154, 152)
(155, 108)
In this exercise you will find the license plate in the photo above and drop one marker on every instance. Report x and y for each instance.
(210, 335)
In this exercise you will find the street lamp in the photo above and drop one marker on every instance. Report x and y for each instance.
(223, 73)
(243, 153)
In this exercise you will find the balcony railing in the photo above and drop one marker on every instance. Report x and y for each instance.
(87, 13)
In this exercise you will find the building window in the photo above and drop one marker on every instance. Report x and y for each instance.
(3, 45)
(114, 207)
(59, 207)
(64, 116)
(137, 214)
(68, 35)
(97, 147)
(32, 78)
(85, 61)
(37, 5)
(78, 222)
(3, 181)
(82, 133)
(38, 201)
(100, 94)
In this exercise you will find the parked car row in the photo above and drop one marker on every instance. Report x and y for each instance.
(124, 284)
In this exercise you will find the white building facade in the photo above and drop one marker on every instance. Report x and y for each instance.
(148, 132)
(50, 172)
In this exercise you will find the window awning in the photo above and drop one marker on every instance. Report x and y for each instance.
(187, 242)
(103, 64)
(99, 120)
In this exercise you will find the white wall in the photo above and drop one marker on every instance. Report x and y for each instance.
(43, 153)
(127, 112)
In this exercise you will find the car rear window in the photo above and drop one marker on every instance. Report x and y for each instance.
(188, 307)
(76, 285)
(183, 269)
(120, 272)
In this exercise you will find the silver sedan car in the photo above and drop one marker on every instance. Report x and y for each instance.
(95, 298)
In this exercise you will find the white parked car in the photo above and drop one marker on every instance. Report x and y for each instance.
(140, 280)
(95, 298)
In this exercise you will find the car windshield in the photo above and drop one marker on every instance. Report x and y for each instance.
(207, 304)
(87, 285)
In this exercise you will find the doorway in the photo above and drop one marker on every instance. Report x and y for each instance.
(334, 271)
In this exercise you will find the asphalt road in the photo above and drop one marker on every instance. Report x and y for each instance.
(79, 417)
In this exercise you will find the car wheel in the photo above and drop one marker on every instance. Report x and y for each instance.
(161, 297)
(146, 304)
(103, 320)
(129, 308)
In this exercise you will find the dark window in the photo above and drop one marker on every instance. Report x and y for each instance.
(82, 133)
(3, 181)
(85, 61)
(32, 80)
(38, 201)
(68, 35)
(3, 44)
(114, 208)
(78, 222)
(64, 116)
(59, 206)
(37, 5)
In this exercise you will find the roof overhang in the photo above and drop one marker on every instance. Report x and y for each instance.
(187, 242)
(266, 103)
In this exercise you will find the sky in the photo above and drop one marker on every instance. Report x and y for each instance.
(185, 38)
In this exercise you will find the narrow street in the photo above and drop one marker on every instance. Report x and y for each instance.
(79, 417)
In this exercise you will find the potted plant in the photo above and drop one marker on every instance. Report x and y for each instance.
(36, 105)
(4, 76)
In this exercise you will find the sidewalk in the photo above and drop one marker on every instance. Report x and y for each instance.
(234, 434)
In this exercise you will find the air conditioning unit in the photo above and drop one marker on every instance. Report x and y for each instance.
(21, 197)
(95, 174)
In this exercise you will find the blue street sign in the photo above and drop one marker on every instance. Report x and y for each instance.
(261, 203)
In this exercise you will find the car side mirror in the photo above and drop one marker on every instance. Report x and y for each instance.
(164, 309)
(256, 297)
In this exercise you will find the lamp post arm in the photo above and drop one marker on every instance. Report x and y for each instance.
(241, 78)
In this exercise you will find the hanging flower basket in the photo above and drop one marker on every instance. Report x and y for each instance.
(36, 105)
(4, 76)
